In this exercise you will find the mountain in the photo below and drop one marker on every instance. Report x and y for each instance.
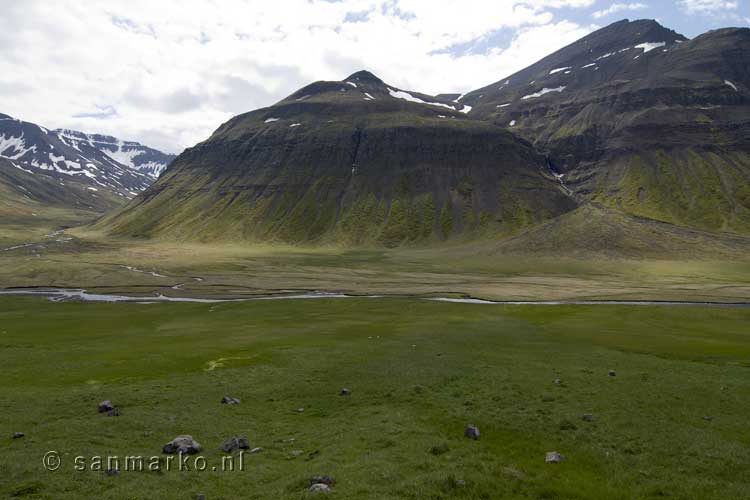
(26, 191)
(133, 155)
(639, 118)
(356, 161)
(103, 163)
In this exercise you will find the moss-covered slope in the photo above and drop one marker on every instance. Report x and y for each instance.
(639, 118)
(355, 162)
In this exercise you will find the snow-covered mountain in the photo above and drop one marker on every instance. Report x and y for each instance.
(106, 163)
(131, 154)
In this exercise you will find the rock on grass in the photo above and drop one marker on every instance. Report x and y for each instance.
(235, 443)
(472, 431)
(184, 444)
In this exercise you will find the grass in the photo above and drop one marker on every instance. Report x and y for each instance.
(419, 373)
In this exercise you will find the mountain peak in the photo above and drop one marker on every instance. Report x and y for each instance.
(364, 77)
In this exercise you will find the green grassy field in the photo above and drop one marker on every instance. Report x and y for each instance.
(419, 372)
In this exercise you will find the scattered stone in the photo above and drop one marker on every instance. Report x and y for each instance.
(300, 410)
(587, 417)
(200, 496)
(235, 443)
(612, 373)
(557, 381)
(313, 454)
(327, 480)
(554, 457)
(320, 488)
(471, 432)
(182, 444)
(708, 418)
(345, 392)
(257, 449)
(439, 449)
(296, 453)
(113, 472)
(114, 412)
(106, 406)
(18, 435)
(227, 400)
(460, 483)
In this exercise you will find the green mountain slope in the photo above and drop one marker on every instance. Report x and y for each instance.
(355, 162)
(33, 203)
(641, 119)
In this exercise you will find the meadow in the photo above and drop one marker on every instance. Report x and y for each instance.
(671, 422)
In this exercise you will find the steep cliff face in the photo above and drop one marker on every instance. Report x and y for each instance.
(355, 162)
(639, 118)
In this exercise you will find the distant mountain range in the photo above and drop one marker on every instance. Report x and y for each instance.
(105, 165)
(631, 124)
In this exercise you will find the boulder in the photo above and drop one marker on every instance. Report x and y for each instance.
(182, 444)
(587, 417)
(106, 406)
(471, 432)
(235, 443)
(557, 381)
(227, 400)
(327, 480)
(320, 488)
(554, 457)
(612, 373)
(114, 412)
(345, 392)
(18, 435)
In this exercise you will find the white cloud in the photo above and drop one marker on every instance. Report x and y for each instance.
(169, 72)
(618, 7)
(707, 6)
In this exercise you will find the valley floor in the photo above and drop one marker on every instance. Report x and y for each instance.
(671, 422)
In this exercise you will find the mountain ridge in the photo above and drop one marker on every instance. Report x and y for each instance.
(634, 118)
(655, 130)
(356, 161)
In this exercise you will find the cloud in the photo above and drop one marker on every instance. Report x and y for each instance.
(618, 7)
(707, 6)
(170, 72)
(101, 113)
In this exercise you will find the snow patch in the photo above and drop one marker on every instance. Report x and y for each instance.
(271, 120)
(17, 144)
(588, 66)
(512, 123)
(649, 46)
(465, 110)
(503, 105)
(543, 92)
(559, 70)
(352, 84)
(400, 94)
(368, 97)
(295, 125)
(727, 82)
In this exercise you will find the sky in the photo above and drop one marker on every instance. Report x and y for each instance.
(167, 73)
